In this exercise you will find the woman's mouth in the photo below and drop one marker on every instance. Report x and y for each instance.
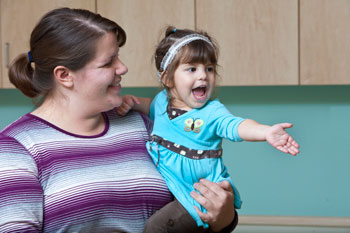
(116, 86)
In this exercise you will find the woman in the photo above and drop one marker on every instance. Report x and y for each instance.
(73, 165)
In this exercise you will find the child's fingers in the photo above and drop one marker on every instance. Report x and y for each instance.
(123, 109)
(293, 151)
(294, 143)
(136, 100)
(131, 100)
(283, 149)
(120, 112)
(288, 149)
(286, 125)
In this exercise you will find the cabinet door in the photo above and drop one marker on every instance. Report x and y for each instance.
(258, 39)
(145, 23)
(324, 42)
(18, 18)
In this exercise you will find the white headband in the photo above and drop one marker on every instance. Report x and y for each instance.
(169, 56)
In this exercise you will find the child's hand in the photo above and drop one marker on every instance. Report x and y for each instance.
(281, 140)
(128, 103)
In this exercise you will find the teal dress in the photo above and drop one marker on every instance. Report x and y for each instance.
(188, 148)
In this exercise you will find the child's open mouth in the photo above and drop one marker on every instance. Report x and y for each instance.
(200, 93)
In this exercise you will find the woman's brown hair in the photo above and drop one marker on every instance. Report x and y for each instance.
(66, 37)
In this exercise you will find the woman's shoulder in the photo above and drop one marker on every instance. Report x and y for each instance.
(131, 116)
(13, 154)
(10, 144)
(130, 120)
(19, 125)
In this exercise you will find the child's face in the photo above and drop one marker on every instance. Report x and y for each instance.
(193, 85)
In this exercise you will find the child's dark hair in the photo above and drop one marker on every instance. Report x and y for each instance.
(197, 51)
(66, 37)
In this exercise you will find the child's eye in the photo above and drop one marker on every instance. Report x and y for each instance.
(191, 69)
(210, 69)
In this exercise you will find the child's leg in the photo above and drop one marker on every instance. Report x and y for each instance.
(172, 218)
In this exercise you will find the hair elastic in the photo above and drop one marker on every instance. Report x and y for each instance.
(30, 58)
(169, 56)
(175, 29)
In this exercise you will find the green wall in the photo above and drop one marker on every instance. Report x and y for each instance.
(314, 183)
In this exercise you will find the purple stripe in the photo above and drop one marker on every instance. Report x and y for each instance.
(79, 201)
(72, 134)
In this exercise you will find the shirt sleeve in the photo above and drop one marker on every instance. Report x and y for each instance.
(148, 123)
(226, 124)
(21, 195)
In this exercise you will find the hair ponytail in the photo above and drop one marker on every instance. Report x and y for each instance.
(21, 75)
(170, 30)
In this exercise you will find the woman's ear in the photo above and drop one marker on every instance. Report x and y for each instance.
(63, 76)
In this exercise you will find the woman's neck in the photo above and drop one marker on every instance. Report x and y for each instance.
(73, 119)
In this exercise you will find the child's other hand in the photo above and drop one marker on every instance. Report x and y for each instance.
(281, 140)
(128, 103)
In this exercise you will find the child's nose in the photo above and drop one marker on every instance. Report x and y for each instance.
(202, 75)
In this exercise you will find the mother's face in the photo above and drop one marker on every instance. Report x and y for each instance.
(97, 85)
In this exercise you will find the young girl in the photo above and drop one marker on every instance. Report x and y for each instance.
(188, 126)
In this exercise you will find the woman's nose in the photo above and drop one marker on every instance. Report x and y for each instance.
(121, 69)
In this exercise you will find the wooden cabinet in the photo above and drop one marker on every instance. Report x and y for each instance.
(18, 18)
(324, 42)
(145, 23)
(262, 42)
(258, 39)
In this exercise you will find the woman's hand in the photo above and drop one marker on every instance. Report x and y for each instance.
(217, 199)
(277, 136)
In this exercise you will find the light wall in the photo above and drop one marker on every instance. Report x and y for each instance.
(314, 183)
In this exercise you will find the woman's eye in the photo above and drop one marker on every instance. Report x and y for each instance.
(111, 61)
(108, 64)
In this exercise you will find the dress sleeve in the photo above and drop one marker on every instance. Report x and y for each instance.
(226, 124)
(152, 109)
(21, 195)
(158, 102)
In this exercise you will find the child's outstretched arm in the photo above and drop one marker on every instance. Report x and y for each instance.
(276, 135)
(139, 104)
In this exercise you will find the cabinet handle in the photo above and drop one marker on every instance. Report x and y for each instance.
(7, 48)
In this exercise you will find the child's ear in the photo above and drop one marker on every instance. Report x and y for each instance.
(63, 76)
(166, 80)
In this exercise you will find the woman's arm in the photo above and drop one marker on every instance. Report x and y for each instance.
(139, 104)
(217, 199)
(276, 135)
(21, 195)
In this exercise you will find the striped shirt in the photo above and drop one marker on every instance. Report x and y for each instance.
(55, 181)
